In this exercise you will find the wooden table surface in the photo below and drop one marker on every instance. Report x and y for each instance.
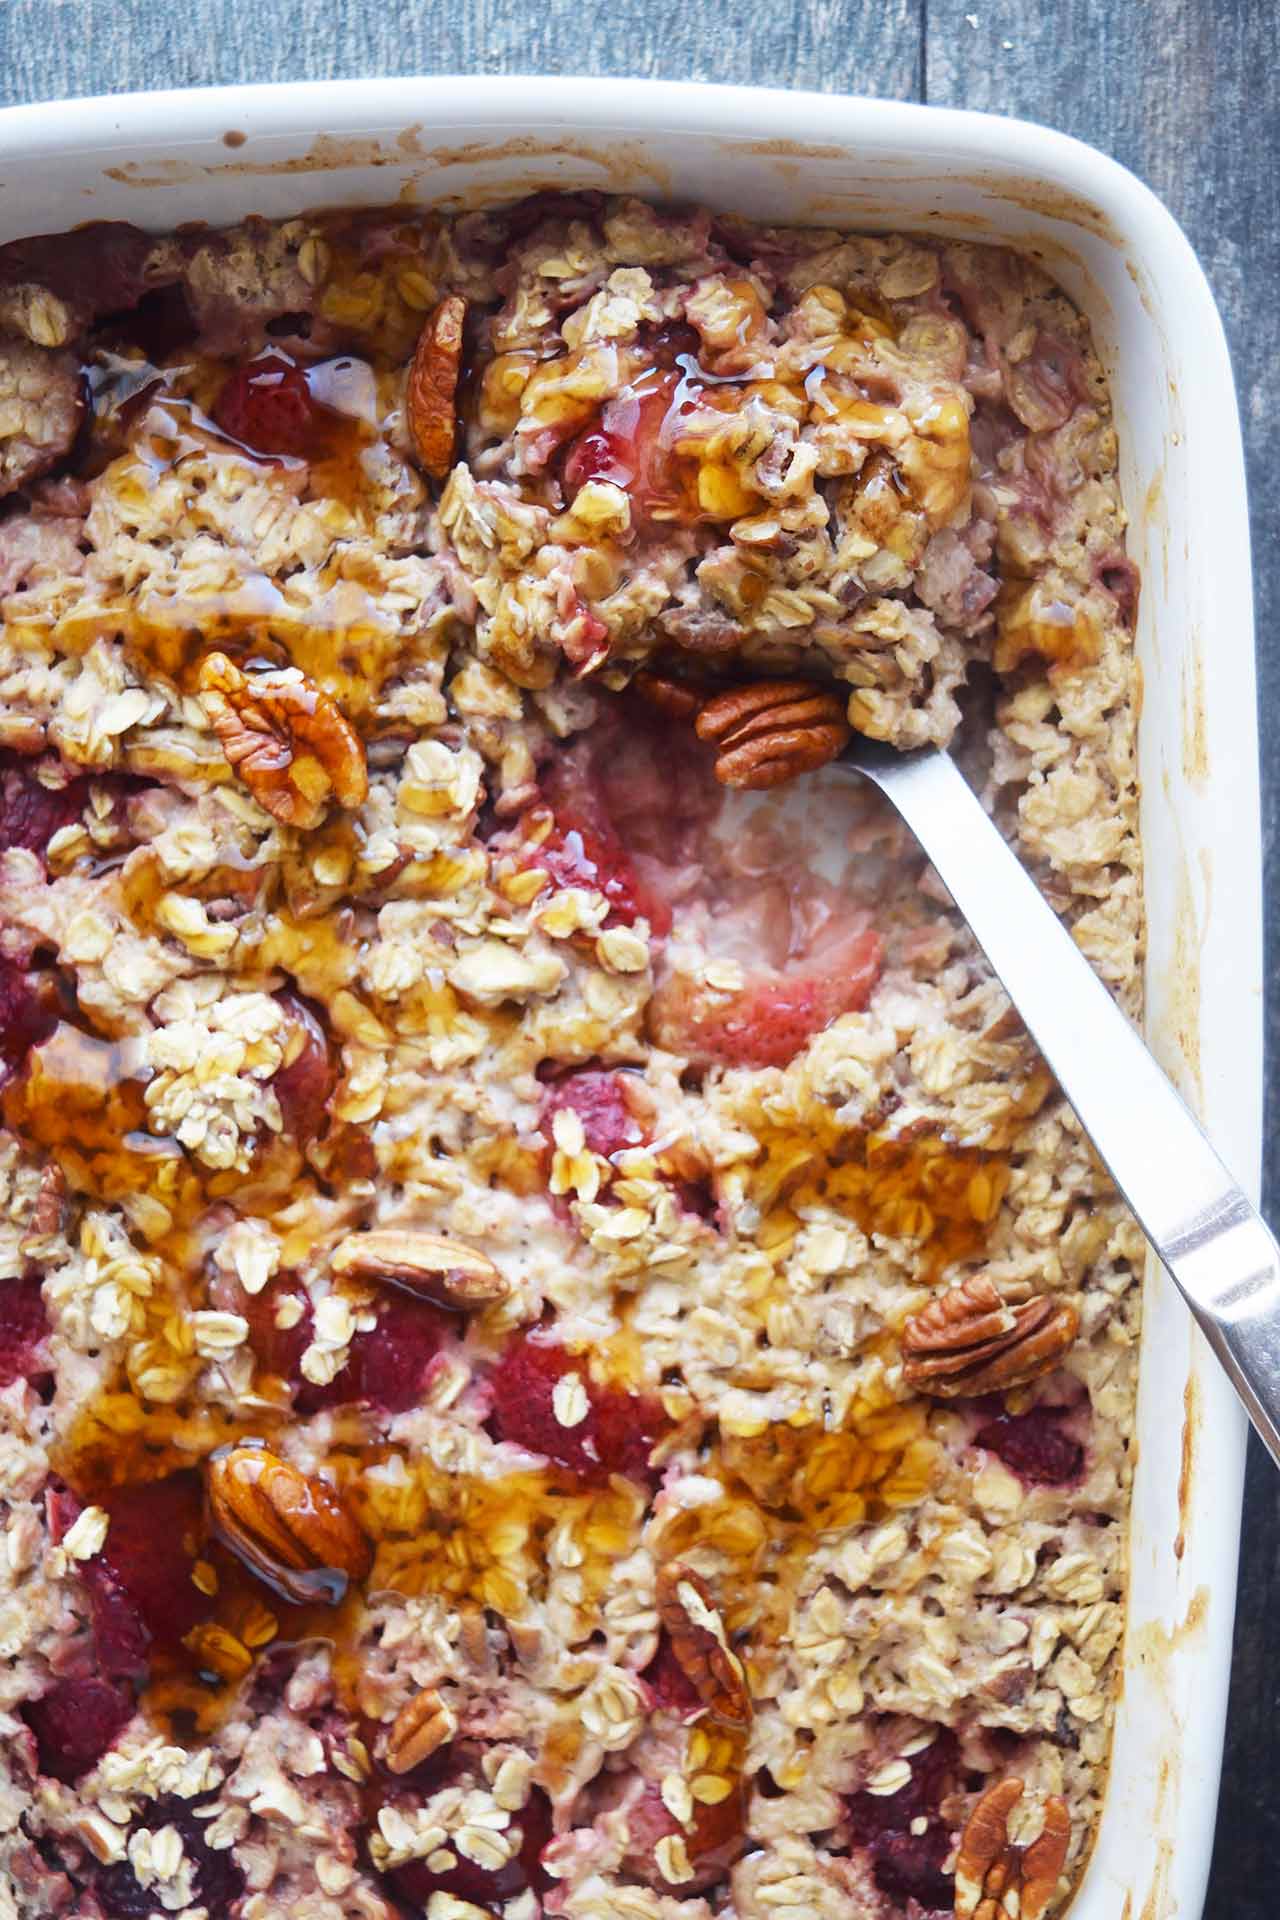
(1183, 91)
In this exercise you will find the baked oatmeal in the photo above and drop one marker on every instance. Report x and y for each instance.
(560, 1351)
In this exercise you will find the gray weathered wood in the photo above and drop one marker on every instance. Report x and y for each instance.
(55, 48)
(1184, 91)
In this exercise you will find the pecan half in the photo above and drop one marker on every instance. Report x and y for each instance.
(433, 386)
(443, 1271)
(772, 730)
(974, 1339)
(290, 1528)
(995, 1878)
(422, 1726)
(289, 742)
(676, 699)
(700, 1644)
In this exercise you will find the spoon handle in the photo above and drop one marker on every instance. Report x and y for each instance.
(1215, 1244)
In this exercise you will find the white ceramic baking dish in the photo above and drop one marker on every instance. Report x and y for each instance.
(162, 158)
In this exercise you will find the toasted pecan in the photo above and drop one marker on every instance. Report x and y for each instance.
(290, 743)
(290, 1528)
(676, 699)
(974, 1339)
(700, 1644)
(443, 1271)
(772, 730)
(993, 1877)
(433, 386)
(423, 1725)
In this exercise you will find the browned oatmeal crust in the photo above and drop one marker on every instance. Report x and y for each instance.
(560, 1352)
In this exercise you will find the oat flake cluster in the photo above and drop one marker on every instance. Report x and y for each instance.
(560, 1351)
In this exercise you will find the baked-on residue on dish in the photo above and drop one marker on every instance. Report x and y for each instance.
(560, 1351)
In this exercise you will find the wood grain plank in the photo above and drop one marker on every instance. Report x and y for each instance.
(54, 49)
(1186, 93)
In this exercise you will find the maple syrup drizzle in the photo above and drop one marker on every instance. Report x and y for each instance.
(475, 1542)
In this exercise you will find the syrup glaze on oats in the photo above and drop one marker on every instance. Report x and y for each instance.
(495, 1228)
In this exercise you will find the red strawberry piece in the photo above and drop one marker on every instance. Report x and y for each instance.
(268, 406)
(598, 1097)
(1034, 1446)
(30, 812)
(416, 1881)
(672, 1689)
(304, 1084)
(618, 1434)
(388, 1365)
(586, 639)
(76, 1721)
(909, 1866)
(577, 857)
(23, 1327)
(628, 446)
(27, 1014)
(218, 1880)
(278, 1349)
(714, 1843)
(766, 1021)
(584, 847)
(140, 1588)
(933, 1772)
(672, 343)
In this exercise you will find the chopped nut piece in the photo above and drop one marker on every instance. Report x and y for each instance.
(291, 744)
(974, 1339)
(995, 1878)
(674, 698)
(700, 1644)
(422, 1725)
(290, 1528)
(443, 1271)
(433, 384)
(773, 730)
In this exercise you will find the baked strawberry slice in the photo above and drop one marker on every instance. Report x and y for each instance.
(628, 805)
(933, 1775)
(617, 1434)
(1034, 1446)
(269, 407)
(628, 446)
(28, 1014)
(606, 1105)
(773, 1014)
(573, 839)
(715, 1840)
(599, 1098)
(76, 1721)
(24, 1326)
(388, 1365)
(468, 1880)
(904, 1833)
(30, 812)
(218, 1880)
(910, 1866)
(575, 856)
(278, 1349)
(141, 1592)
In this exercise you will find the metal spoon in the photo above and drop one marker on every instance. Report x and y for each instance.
(1220, 1252)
